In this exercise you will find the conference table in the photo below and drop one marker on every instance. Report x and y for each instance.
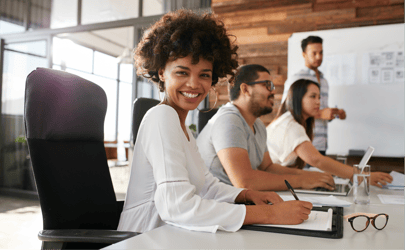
(392, 237)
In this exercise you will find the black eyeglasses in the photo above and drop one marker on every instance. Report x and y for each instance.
(360, 222)
(269, 84)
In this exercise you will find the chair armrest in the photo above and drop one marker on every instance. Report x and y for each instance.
(85, 235)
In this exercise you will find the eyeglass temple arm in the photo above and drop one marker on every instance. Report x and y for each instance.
(347, 217)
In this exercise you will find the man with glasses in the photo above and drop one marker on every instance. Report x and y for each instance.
(233, 143)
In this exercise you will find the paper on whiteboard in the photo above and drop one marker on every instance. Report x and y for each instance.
(383, 67)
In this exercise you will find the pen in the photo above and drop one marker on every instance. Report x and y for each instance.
(291, 190)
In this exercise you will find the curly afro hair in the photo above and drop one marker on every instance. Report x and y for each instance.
(182, 33)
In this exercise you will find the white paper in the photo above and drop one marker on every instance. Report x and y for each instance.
(398, 181)
(391, 199)
(318, 221)
(320, 200)
(384, 67)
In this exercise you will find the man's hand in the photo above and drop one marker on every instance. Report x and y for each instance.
(261, 198)
(288, 212)
(341, 114)
(328, 113)
(310, 180)
(379, 178)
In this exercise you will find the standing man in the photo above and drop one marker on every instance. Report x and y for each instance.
(312, 52)
(233, 142)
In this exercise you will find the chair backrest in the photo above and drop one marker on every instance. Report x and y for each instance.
(204, 116)
(64, 120)
(141, 106)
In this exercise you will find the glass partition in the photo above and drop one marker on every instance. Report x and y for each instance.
(95, 56)
(153, 7)
(19, 61)
(9, 28)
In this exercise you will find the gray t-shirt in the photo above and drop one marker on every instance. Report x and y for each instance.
(228, 129)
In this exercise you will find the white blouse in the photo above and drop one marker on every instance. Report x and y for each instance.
(169, 182)
(283, 136)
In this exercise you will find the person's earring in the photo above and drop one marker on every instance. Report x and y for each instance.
(216, 100)
(161, 87)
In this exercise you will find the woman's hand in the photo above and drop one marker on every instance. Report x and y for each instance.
(262, 198)
(288, 212)
(379, 178)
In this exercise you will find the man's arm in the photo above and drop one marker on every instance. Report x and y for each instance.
(327, 114)
(330, 114)
(268, 166)
(309, 179)
(239, 170)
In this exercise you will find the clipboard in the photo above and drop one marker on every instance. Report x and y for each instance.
(335, 233)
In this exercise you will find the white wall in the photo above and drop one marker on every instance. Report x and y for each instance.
(374, 106)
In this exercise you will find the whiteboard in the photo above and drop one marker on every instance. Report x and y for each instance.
(366, 78)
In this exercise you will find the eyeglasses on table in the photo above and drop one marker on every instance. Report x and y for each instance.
(269, 84)
(360, 221)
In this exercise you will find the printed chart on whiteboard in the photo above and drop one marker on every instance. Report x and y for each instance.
(383, 67)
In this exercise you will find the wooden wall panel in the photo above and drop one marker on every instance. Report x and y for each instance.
(263, 49)
(257, 35)
(262, 28)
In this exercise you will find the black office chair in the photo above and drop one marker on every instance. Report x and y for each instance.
(141, 106)
(64, 121)
(204, 116)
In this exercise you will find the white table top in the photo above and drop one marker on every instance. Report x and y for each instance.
(392, 237)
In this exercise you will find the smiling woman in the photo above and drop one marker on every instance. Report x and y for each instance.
(185, 54)
(186, 84)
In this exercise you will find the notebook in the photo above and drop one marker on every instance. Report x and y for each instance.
(342, 188)
(317, 220)
(315, 227)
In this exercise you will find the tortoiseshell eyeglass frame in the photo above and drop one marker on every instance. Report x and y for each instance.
(372, 219)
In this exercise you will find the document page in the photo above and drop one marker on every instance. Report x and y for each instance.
(398, 181)
(317, 221)
(320, 201)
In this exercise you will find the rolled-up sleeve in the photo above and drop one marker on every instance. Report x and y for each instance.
(292, 137)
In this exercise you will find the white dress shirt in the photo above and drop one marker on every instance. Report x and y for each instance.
(169, 182)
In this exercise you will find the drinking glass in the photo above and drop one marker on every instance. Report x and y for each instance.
(361, 184)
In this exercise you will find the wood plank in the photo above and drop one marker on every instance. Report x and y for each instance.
(290, 27)
(329, 16)
(257, 35)
(245, 12)
(359, 23)
(273, 60)
(231, 6)
(354, 4)
(263, 49)
(258, 17)
(385, 12)
(261, 17)
(279, 80)
(241, 61)
(332, 1)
